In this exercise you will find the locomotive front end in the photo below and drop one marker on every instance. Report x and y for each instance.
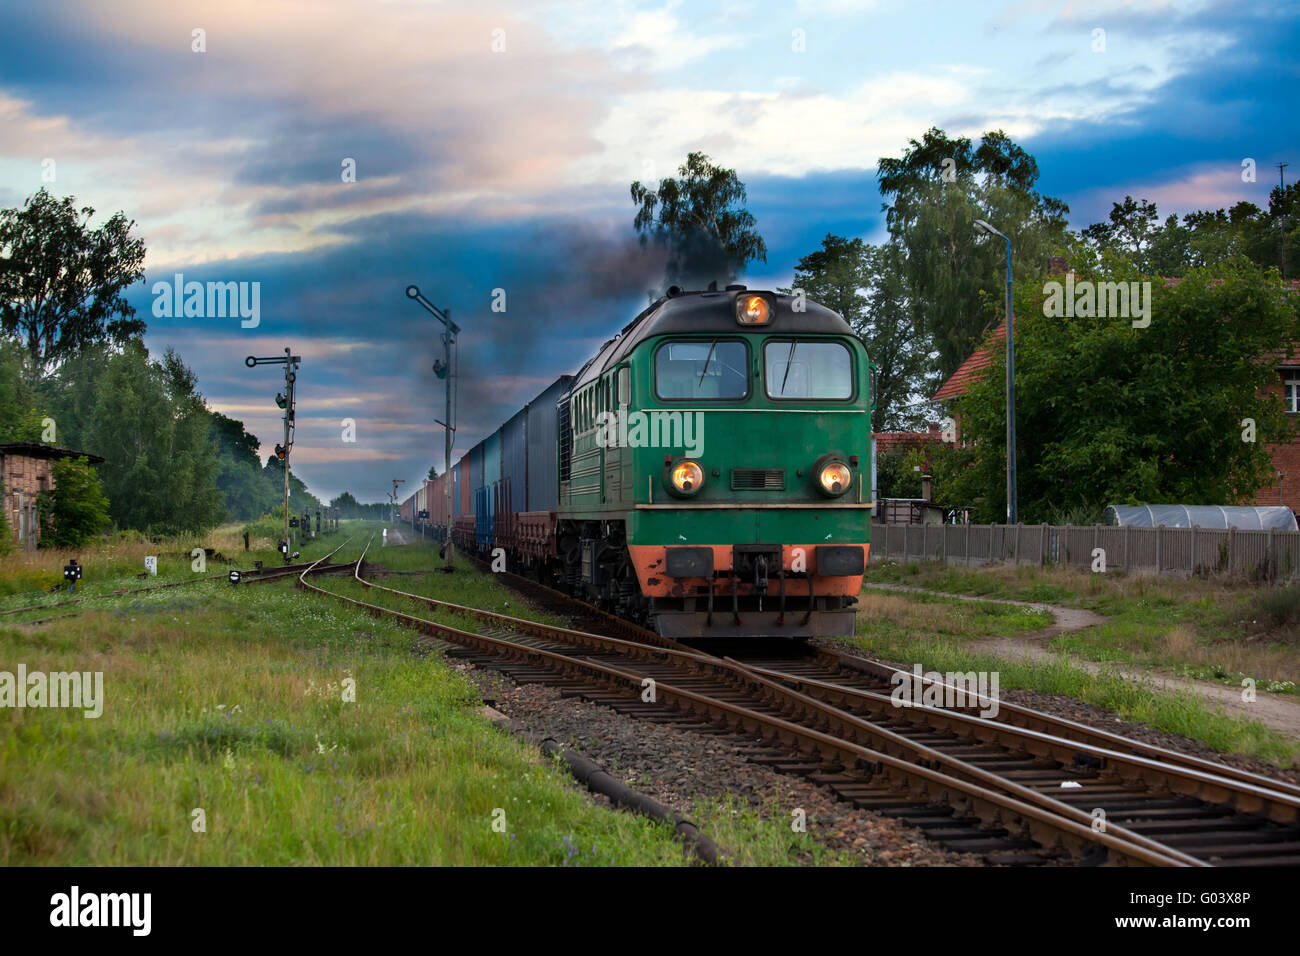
(753, 515)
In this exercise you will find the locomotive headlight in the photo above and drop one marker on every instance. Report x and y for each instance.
(834, 478)
(686, 478)
(754, 309)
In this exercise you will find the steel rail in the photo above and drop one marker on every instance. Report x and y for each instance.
(1016, 715)
(1133, 769)
(1204, 779)
(1051, 822)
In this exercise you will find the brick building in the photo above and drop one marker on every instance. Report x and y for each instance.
(25, 470)
(1286, 458)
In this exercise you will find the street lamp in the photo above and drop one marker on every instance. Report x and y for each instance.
(444, 372)
(1012, 517)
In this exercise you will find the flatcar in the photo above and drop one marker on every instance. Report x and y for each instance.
(705, 473)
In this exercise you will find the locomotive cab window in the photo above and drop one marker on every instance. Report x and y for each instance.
(702, 369)
(808, 369)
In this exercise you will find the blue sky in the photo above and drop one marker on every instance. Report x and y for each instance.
(494, 144)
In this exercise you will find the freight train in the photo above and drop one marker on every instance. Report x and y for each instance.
(702, 474)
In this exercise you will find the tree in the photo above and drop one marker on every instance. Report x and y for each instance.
(160, 465)
(835, 276)
(1269, 238)
(300, 499)
(76, 510)
(893, 341)
(433, 473)
(20, 416)
(234, 439)
(71, 394)
(865, 285)
(936, 190)
(1131, 228)
(248, 491)
(346, 505)
(61, 282)
(1107, 413)
(894, 475)
(701, 220)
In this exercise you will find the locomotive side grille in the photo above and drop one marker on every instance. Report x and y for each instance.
(757, 479)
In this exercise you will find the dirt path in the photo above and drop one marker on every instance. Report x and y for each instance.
(1280, 712)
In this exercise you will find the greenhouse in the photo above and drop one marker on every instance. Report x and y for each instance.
(1202, 516)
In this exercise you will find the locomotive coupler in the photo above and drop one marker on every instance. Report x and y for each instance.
(760, 579)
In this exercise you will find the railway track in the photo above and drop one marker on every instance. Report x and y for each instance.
(971, 784)
(252, 576)
(850, 681)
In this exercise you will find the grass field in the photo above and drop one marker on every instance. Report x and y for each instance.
(1194, 628)
(1211, 629)
(226, 738)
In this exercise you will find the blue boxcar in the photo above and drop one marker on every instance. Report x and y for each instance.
(541, 433)
(455, 490)
(486, 517)
(473, 479)
(514, 464)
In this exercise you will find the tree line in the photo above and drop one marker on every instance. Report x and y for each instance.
(75, 372)
(1106, 412)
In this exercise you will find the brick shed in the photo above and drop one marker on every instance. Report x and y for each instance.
(25, 470)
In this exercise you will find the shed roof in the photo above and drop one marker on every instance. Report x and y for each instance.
(34, 449)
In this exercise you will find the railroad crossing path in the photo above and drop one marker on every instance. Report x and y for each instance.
(1278, 711)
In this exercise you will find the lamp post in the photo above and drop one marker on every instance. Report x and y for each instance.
(450, 331)
(1011, 381)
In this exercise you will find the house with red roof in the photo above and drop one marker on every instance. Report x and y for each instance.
(1286, 457)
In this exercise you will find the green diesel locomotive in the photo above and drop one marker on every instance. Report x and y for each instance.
(711, 471)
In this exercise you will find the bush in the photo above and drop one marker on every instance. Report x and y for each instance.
(1279, 607)
(76, 510)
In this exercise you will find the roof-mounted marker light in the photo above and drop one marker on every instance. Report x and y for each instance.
(754, 309)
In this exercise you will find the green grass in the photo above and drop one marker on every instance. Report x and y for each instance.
(232, 702)
(1213, 629)
(903, 616)
(26, 579)
(762, 835)
(1153, 623)
(1174, 712)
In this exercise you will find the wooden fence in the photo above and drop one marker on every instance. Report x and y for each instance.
(1271, 554)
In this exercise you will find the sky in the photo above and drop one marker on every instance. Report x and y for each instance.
(336, 152)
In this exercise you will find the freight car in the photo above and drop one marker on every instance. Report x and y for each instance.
(703, 473)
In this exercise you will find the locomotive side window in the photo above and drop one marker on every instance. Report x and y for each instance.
(702, 369)
(625, 386)
(808, 369)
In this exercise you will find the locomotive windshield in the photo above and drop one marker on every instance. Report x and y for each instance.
(808, 369)
(701, 369)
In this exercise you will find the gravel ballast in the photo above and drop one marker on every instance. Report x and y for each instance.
(677, 767)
